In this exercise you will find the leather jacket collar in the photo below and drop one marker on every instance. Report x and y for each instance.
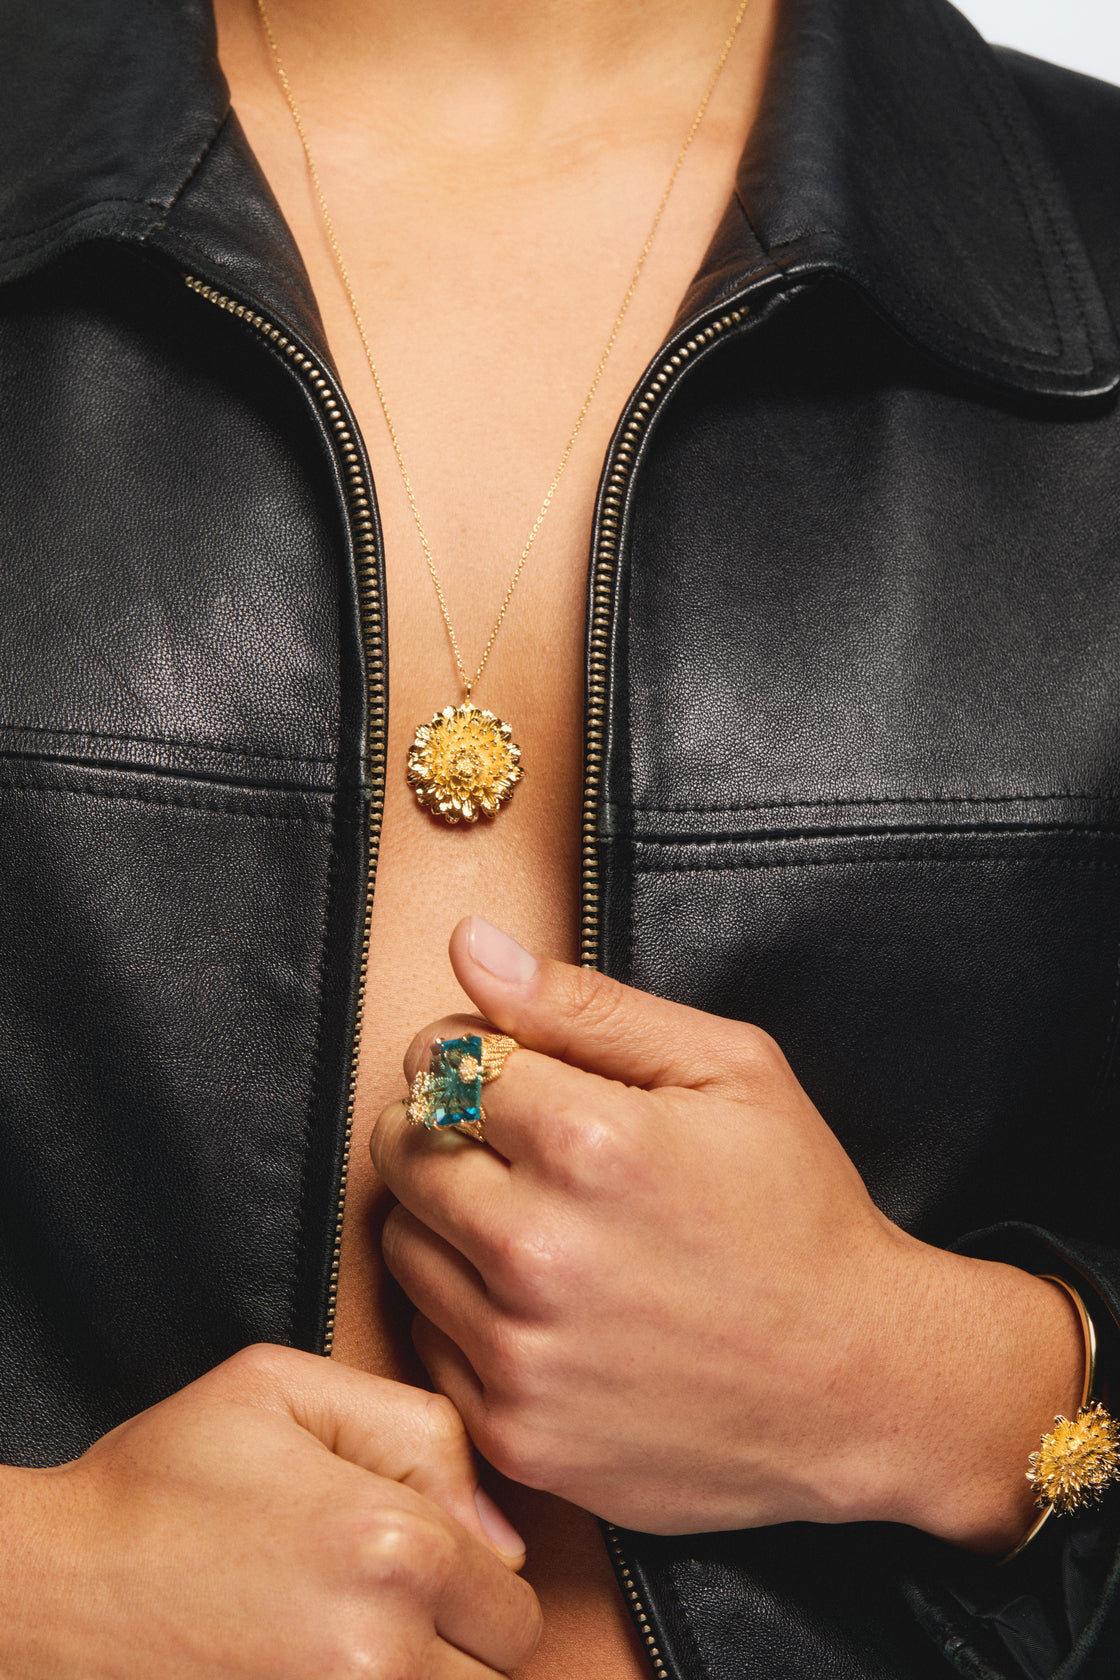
(892, 149)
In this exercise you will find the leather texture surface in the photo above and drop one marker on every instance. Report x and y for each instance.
(862, 737)
(109, 111)
(182, 804)
(863, 742)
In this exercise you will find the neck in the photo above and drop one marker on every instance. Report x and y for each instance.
(524, 62)
(573, 35)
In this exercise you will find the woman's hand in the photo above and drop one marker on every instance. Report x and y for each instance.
(282, 1518)
(665, 1294)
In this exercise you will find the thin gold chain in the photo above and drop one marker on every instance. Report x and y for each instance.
(344, 276)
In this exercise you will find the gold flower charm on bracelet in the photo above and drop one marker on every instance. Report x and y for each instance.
(1077, 1460)
(464, 764)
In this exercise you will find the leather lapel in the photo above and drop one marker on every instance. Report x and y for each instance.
(893, 149)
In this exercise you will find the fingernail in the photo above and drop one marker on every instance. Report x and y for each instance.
(500, 955)
(497, 1527)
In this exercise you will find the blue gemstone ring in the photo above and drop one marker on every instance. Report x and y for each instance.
(448, 1098)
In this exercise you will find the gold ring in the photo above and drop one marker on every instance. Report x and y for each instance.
(448, 1097)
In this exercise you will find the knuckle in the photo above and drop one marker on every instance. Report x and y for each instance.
(260, 1365)
(393, 1239)
(591, 1156)
(362, 1653)
(385, 1138)
(257, 1357)
(760, 1055)
(510, 1361)
(530, 1265)
(400, 1550)
(595, 1148)
(443, 1424)
(350, 1656)
(518, 1448)
(599, 1004)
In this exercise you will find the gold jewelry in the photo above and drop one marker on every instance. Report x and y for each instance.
(465, 762)
(1077, 1460)
(497, 1048)
(448, 1097)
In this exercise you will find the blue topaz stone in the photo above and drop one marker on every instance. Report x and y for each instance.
(455, 1093)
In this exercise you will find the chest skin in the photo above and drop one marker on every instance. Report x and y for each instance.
(442, 271)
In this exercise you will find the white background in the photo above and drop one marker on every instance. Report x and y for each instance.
(1083, 34)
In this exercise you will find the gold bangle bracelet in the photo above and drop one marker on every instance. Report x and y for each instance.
(1089, 1336)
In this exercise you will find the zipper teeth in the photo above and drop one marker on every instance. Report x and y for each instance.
(604, 576)
(364, 537)
(604, 573)
(636, 1606)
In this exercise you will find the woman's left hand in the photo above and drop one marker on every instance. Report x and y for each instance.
(664, 1293)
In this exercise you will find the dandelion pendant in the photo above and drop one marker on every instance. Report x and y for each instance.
(463, 764)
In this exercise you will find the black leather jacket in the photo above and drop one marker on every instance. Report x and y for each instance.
(853, 737)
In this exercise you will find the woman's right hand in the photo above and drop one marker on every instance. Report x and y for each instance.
(282, 1518)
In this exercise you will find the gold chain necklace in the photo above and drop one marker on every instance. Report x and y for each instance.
(464, 762)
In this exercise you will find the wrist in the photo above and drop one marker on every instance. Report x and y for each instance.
(985, 1357)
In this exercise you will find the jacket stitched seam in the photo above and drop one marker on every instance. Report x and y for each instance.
(783, 254)
(202, 745)
(723, 866)
(996, 89)
(207, 805)
(300, 1241)
(203, 153)
(996, 86)
(1021, 355)
(963, 831)
(31, 238)
(1059, 246)
(876, 799)
(49, 770)
(1077, 285)
(80, 210)
(668, 1588)
(999, 138)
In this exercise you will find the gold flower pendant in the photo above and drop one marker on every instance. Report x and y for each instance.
(463, 764)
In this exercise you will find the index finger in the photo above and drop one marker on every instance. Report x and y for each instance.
(486, 1610)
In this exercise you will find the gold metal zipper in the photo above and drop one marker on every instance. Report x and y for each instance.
(604, 576)
(635, 1606)
(604, 571)
(359, 498)
(604, 567)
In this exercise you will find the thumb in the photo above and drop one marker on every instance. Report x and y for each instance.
(586, 1019)
(404, 1434)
